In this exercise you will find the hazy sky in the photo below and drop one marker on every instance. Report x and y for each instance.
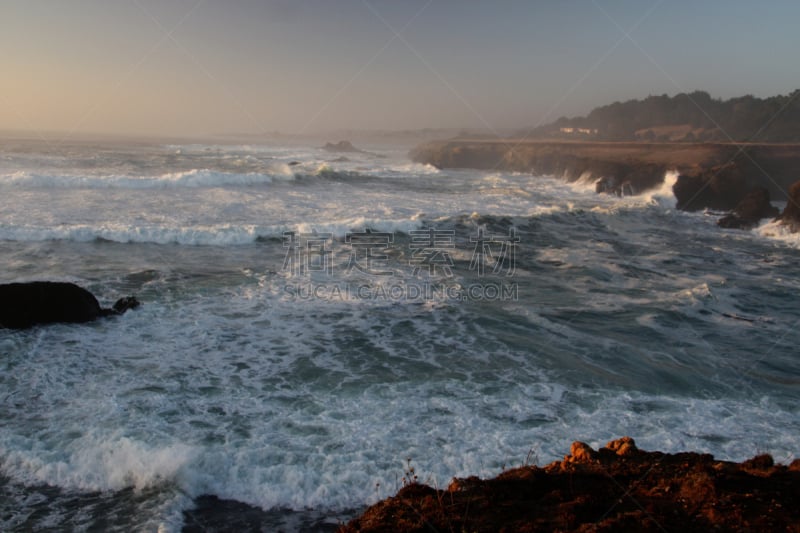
(210, 66)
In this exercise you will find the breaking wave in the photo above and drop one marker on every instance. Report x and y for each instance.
(218, 235)
(195, 178)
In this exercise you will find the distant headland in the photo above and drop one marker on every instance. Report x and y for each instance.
(627, 148)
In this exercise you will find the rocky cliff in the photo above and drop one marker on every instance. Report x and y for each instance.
(716, 176)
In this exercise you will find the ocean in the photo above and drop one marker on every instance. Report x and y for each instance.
(316, 324)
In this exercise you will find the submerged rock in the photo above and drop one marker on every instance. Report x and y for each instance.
(753, 207)
(23, 305)
(616, 488)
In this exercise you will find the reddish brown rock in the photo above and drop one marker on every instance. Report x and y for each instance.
(624, 446)
(616, 488)
(580, 452)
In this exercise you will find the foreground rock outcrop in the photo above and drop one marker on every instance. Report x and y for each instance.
(23, 305)
(615, 488)
(711, 175)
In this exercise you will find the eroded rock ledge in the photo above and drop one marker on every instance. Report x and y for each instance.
(716, 176)
(615, 488)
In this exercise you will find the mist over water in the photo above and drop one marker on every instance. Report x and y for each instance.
(303, 385)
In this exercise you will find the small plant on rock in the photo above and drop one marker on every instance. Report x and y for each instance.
(409, 476)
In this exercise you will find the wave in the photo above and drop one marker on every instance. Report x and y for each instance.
(195, 178)
(99, 463)
(261, 473)
(776, 231)
(206, 178)
(586, 182)
(411, 169)
(663, 195)
(356, 172)
(236, 234)
(217, 235)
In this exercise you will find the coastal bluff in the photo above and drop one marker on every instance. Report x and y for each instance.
(710, 175)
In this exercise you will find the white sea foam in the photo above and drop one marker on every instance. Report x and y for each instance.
(203, 235)
(778, 232)
(197, 178)
(217, 235)
(97, 462)
(300, 453)
(664, 195)
(340, 228)
(309, 404)
(408, 170)
(586, 182)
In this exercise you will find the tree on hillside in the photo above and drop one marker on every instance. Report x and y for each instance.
(694, 116)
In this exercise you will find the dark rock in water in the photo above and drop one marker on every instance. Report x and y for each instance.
(753, 207)
(341, 146)
(791, 214)
(624, 179)
(123, 304)
(23, 305)
(720, 187)
(293, 163)
(215, 514)
(613, 185)
(606, 184)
